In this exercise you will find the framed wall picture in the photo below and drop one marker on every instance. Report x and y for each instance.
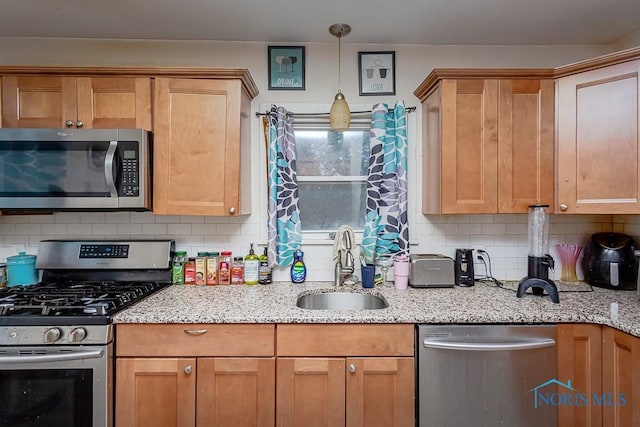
(286, 67)
(377, 73)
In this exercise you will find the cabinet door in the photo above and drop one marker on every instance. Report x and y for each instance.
(236, 392)
(469, 132)
(598, 146)
(621, 378)
(380, 392)
(580, 361)
(310, 392)
(155, 392)
(525, 144)
(196, 147)
(38, 102)
(114, 102)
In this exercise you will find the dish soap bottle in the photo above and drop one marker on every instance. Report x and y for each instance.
(251, 268)
(265, 273)
(298, 269)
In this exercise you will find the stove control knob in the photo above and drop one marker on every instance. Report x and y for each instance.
(52, 335)
(77, 334)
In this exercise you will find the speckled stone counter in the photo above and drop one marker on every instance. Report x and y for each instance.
(483, 303)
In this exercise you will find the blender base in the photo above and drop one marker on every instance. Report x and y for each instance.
(538, 285)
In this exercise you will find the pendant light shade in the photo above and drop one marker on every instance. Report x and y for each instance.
(340, 115)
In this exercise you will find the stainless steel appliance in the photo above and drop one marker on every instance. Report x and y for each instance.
(75, 169)
(430, 271)
(485, 375)
(56, 337)
(610, 262)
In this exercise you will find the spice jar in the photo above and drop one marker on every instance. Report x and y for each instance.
(237, 271)
(224, 268)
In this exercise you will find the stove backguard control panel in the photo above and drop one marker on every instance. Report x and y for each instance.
(104, 251)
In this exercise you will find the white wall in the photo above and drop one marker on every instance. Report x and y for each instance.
(503, 236)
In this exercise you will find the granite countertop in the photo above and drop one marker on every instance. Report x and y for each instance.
(482, 303)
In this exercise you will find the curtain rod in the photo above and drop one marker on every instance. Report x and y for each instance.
(258, 114)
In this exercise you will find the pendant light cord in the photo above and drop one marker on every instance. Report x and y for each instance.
(339, 61)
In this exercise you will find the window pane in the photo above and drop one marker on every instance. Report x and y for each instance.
(327, 206)
(332, 153)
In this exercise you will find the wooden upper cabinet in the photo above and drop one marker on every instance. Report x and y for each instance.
(598, 145)
(77, 102)
(525, 144)
(201, 147)
(488, 144)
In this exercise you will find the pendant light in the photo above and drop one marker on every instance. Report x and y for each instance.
(340, 115)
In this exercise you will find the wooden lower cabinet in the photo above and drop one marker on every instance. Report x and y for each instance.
(580, 361)
(345, 392)
(187, 392)
(156, 392)
(345, 375)
(621, 378)
(195, 375)
(603, 365)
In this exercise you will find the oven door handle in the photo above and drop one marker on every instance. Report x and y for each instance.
(57, 357)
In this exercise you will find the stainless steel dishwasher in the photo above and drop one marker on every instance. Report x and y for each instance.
(485, 375)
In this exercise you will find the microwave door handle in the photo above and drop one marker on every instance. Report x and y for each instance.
(108, 168)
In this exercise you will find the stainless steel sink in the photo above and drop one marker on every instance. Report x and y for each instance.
(341, 301)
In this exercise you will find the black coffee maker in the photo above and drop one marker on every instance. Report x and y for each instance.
(539, 262)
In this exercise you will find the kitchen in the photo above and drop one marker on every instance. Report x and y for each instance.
(503, 236)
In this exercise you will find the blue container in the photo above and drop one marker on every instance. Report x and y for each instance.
(21, 270)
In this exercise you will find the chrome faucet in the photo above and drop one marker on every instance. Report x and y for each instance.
(344, 262)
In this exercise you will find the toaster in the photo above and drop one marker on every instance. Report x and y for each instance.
(431, 271)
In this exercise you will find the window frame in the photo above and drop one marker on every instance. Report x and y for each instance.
(414, 158)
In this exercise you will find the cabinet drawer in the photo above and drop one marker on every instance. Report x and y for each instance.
(194, 340)
(345, 340)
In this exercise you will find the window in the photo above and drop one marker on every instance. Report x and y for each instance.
(332, 176)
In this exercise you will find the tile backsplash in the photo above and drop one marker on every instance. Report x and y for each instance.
(503, 236)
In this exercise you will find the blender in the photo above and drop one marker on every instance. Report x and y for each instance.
(539, 261)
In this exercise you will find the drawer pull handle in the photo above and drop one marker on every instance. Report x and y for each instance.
(195, 332)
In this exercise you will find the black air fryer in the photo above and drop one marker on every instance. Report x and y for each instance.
(609, 261)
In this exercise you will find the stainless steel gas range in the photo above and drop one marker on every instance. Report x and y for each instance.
(56, 337)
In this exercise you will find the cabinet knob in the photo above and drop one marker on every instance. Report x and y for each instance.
(232, 210)
(352, 368)
(68, 123)
(187, 370)
(80, 123)
(563, 207)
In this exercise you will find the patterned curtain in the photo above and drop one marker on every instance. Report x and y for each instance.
(386, 229)
(284, 230)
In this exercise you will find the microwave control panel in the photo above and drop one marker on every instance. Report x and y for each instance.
(130, 169)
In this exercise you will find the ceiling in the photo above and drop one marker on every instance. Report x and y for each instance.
(480, 22)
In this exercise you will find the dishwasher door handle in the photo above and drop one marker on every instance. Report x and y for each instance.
(487, 345)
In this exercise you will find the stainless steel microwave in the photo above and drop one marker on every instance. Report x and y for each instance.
(75, 169)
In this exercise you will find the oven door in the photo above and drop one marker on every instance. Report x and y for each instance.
(67, 386)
